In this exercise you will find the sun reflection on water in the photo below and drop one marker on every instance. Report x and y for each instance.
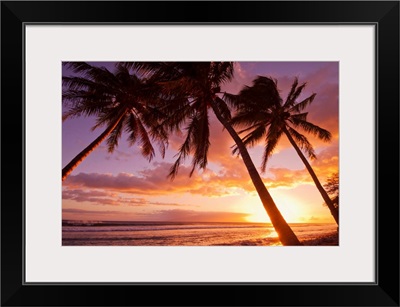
(272, 234)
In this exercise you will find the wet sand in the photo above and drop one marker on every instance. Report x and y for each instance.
(331, 239)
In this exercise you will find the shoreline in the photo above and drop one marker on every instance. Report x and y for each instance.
(190, 234)
(330, 239)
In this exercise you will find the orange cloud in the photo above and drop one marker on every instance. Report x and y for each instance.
(228, 178)
(324, 166)
(109, 198)
(154, 182)
(284, 177)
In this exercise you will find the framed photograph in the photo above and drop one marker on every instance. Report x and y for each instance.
(148, 152)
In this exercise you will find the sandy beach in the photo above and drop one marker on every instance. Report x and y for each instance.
(331, 239)
(191, 234)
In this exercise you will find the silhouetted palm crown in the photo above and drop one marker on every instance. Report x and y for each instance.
(121, 98)
(263, 115)
(195, 86)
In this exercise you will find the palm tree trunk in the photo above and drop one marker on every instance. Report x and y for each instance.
(285, 233)
(92, 146)
(325, 196)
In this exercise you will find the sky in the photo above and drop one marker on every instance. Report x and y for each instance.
(124, 186)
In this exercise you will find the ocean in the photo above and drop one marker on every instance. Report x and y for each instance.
(105, 233)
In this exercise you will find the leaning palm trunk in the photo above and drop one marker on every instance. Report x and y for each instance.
(285, 233)
(324, 195)
(92, 146)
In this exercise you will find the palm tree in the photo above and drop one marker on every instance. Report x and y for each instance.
(332, 188)
(266, 116)
(121, 101)
(199, 83)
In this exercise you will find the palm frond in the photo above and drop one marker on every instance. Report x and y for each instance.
(262, 95)
(91, 99)
(294, 96)
(77, 67)
(131, 128)
(97, 74)
(250, 128)
(78, 83)
(108, 117)
(251, 117)
(115, 135)
(252, 138)
(201, 141)
(297, 117)
(315, 130)
(83, 110)
(300, 106)
(157, 70)
(267, 88)
(176, 116)
(271, 140)
(231, 99)
(146, 147)
(302, 142)
(220, 72)
(291, 92)
(294, 93)
(184, 149)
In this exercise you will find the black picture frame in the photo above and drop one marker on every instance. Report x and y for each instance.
(383, 14)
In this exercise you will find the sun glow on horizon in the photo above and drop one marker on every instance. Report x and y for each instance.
(293, 210)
